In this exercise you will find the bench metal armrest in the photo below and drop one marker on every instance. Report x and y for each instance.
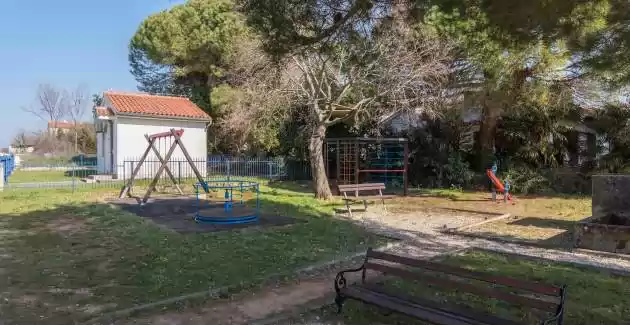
(340, 280)
(558, 317)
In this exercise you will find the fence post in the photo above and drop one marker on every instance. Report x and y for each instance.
(74, 185)
(228, 169)
(2, 178)
(270, 170)
(179, 171)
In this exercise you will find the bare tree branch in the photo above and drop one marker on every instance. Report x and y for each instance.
(48, 106)
(75, 104)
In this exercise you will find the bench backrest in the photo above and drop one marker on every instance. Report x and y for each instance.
(409, 268)
(357, 188)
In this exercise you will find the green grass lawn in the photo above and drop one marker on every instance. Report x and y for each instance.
(66, 257)
(593, 296)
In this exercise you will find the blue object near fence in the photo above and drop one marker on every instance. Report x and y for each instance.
(8, 162)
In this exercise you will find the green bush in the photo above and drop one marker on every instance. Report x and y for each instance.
(527, 181)
(457, 172)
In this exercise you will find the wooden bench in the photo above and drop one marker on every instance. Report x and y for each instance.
(363, 192)
(532, 295)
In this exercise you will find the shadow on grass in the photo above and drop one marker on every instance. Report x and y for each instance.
(293, 186)
(470, 211)
(563, 241)
(544, 223)
(69, 263)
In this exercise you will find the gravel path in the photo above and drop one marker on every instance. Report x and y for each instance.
(422, 231)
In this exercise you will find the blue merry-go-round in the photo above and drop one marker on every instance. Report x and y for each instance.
(227, 202)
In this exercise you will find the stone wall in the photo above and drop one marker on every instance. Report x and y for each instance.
(591, 234)
(611, 195)
(608, 229)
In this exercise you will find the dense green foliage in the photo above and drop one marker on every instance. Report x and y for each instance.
(186, 49)
(540, 73)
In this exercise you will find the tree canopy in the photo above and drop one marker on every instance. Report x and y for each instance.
(185, 49)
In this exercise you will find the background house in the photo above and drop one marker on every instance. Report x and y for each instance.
(56, 127)
(125, 118)
(581, 138)
(21, 148)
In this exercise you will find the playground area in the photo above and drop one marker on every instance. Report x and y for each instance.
(98, 254)
(189, 251)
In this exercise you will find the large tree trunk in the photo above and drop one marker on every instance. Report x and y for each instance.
(487, 133)
(318, 167)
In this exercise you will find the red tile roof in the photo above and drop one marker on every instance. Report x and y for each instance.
(103, 111)
(164, 106)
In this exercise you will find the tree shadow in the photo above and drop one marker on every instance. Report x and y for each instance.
(471, 211)
(68, 263)
(293, 186)
(544, 223)
(563, 240)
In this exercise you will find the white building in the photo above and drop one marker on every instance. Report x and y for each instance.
(124, 120)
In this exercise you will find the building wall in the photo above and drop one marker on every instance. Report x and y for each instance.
(104, 148)
(130, 144)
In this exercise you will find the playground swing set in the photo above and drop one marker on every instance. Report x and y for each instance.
(233, 210)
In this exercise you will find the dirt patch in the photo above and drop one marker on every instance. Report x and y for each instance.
(429, 221)
(246, 307)
(66, 226)
(176, 213)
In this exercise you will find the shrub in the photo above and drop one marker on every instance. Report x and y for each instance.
(457, 172)
(527, 181)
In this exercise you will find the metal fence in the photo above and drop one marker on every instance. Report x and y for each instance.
(8, 164)
(86, 173)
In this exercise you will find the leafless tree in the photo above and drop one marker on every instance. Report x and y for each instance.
(385, 75)
(20, 139)
(48, 105)
(74, 105)
(390, 74)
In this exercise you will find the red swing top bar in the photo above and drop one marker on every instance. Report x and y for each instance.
(166, 134)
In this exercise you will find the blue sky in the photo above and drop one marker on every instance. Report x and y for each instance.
(64, 43)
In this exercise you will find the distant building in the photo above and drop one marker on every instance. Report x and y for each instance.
(54, 127)
(20, 149)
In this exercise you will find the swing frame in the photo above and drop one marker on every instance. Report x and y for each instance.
(176, 134)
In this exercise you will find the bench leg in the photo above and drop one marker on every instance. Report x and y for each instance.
(365, 205)
(339, 302)
(349, 209)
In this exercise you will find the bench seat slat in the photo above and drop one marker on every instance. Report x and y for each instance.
(431, 315)
(369, 197)
(514, 283)
(459, 310)
(467, 287)
(361, 187)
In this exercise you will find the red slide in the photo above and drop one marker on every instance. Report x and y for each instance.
(497, 183)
